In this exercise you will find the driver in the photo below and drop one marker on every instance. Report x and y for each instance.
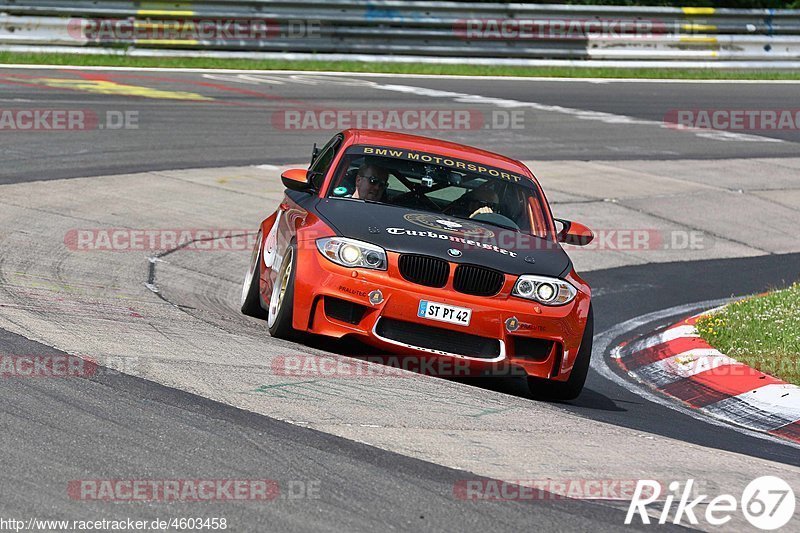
(482, 200)
(371, 182)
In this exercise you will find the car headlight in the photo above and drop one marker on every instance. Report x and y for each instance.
(352, 253)
(547, 291)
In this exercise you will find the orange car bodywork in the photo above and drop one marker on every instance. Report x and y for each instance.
(316, 278)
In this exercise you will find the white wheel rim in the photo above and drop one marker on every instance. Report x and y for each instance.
(279, 287)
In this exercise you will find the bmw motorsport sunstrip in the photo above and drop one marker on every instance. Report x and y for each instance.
(428, 248)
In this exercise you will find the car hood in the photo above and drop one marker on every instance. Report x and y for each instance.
(457, 240)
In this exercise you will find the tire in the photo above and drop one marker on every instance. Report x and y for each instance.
(546, 389)
(281, 303)
(251, 297)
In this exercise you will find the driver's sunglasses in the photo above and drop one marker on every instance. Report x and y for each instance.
(377, 181)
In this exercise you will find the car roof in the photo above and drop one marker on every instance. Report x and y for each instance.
(440, 147)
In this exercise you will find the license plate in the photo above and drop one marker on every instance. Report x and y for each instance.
(444, 313)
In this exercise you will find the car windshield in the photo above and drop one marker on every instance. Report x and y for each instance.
(443, 185)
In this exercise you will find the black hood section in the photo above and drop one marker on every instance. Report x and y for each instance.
(417, 232)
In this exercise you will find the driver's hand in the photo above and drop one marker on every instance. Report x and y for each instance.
(483, 210)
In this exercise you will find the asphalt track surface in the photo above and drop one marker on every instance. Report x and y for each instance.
(54, 431)
(85, 429)
(236, 127)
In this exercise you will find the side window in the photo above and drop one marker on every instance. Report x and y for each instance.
(323, 162)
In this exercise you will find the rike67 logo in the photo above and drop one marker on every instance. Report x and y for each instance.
(767, 502)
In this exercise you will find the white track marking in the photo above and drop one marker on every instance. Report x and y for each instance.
(396, 75)
(504, 103)
(602, 345)
(582, 114)
(665, 336)
(785, 397)
(252, 79)
(766, 408)
(306, 78)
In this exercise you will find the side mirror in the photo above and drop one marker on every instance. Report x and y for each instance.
(296, 179)
(574, 233)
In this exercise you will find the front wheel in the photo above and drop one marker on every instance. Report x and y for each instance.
(281, 303)
(568, 390)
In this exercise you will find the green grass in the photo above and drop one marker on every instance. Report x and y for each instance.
(399, 68)
(763, 332)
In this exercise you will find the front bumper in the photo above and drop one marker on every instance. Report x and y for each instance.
(542, 340)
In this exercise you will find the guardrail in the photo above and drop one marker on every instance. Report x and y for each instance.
(397, 30)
